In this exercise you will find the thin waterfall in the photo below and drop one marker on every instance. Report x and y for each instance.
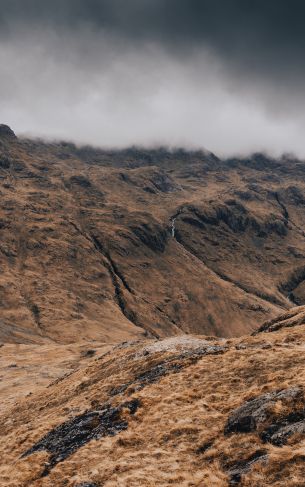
(173, 227)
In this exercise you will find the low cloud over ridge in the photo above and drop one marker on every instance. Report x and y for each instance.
(227, 75)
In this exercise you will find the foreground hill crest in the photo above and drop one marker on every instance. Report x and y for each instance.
(189, 411)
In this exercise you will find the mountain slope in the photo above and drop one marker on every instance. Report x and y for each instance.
(110, 245)
(187, 411)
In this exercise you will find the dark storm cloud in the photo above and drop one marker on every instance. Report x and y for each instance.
(221, 73)
(266, 36)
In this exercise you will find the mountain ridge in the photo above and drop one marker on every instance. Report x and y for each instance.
(88, 251)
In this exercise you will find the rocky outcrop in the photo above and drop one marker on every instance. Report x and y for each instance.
(151, 234)
(6, 132)
(294, 195)
(5, 162)
(67, 438)
(294, 280)
(163, 182)
(80, 180)
(235, 216)
(294, 317)
(243, 466)
(275, 416)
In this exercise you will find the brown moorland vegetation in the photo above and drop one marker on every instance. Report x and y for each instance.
(112, 245)
(133, 287)
(187, 411)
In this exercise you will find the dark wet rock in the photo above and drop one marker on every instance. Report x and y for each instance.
(255, 413)
(5, 162)
(248, 195)
(7, 132)
(148, 377)
(256, 188)
(260, 415)
(64, 440)
(295, 279)
(125, 177)
(120, 389)
(193, 221)
(134, 157)
(80, 180)
(152, 180)
(163, 182)
(160, 370)
(240, 468)
(294, 195)
(149, 189)
(133, 405)
(170, 366)
(151, 235)
(246, 346)
(204, 447)
(198, 352)
(279, 433)
(88, 353)
(87, 484)
(288, 320)
(257, 161)
(235, 216)
(275, 225)
(295, 252)
(18, 166)
(294, 299)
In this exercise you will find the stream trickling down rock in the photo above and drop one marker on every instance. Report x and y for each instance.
(173, 227)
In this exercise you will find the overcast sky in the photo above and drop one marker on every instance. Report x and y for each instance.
(226, 75)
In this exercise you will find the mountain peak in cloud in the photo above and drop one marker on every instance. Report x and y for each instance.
(223, 74)
(6, 131)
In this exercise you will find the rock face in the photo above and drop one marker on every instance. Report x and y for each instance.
(276, 416)
(7, 132)
(242, 467)
(290, 319)
(67, 438)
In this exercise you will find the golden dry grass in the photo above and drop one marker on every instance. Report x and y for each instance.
(177, 435)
